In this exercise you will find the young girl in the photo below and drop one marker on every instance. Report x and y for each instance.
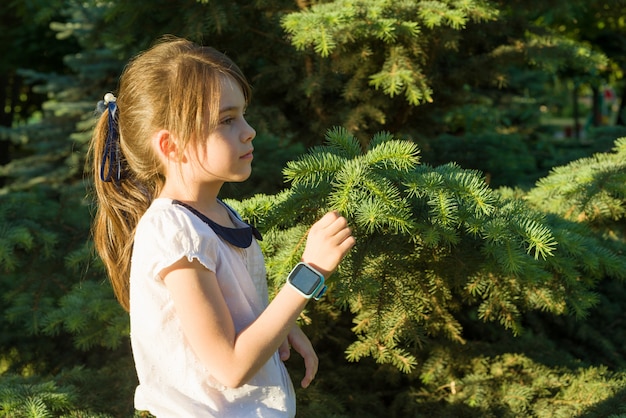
(205, 340)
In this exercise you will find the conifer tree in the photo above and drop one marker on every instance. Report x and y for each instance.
(464, 79)
(448, 304)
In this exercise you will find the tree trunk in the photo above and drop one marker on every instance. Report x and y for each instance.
(576, 112)
(621, 117)
(6, 118)
(596, 109)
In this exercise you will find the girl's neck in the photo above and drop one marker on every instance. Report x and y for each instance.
(204, 200)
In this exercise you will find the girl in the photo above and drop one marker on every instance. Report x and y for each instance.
(205, 340)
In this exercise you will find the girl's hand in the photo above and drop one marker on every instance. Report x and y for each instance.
(301, 343)
(329, 240)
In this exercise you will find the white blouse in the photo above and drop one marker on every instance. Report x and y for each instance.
(172, 381)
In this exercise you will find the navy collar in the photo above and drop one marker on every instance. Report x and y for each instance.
(239, 237)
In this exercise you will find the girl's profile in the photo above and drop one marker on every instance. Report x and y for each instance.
(206, 340)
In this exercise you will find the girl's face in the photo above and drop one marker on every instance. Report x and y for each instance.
(227, 152)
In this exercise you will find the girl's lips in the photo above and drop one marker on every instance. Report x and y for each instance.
(247, 156)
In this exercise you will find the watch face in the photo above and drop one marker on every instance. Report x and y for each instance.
(305, 279)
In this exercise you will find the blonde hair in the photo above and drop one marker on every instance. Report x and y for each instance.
(174, 85)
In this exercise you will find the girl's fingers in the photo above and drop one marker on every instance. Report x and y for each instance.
(310, 367)
(328, 241)
(327, 219)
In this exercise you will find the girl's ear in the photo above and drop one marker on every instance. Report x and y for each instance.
(165, 145)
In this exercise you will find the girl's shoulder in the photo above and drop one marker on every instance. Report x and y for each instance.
(169, 221)
(166, 233)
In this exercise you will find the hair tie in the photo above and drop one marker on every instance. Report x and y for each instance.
(111, 165)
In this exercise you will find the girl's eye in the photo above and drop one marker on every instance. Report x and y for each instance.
(227, 121)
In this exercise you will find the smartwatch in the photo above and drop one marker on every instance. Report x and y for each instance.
(307, 281)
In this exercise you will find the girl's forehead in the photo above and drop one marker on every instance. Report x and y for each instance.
(231, 94)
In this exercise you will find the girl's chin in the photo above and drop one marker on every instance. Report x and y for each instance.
(241, 178)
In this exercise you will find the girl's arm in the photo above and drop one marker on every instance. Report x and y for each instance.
(206, 321)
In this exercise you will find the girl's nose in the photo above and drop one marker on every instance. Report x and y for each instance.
(249, 133)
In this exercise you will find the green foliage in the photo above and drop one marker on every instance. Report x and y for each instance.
(513, 385)
(33, 250)
(36, 400)
(590, 189)
(69, 395)
(373, 46)
(459, 300)
(91, 315)
(555, 52)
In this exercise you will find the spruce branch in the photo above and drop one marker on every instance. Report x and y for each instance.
(432, 242)
(591, 189)
(311, 170)
(343, 142)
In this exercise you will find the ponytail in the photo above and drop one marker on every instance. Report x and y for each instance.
(121, 201)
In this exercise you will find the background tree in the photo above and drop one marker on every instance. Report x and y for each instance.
(601, 25)
(24, 41)
(492, 328)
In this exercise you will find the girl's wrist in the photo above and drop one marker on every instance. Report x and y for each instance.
(316, 266)
(307, 280)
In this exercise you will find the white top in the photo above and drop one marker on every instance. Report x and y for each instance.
(172, 381)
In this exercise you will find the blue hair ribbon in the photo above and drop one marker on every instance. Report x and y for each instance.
(111, 165)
